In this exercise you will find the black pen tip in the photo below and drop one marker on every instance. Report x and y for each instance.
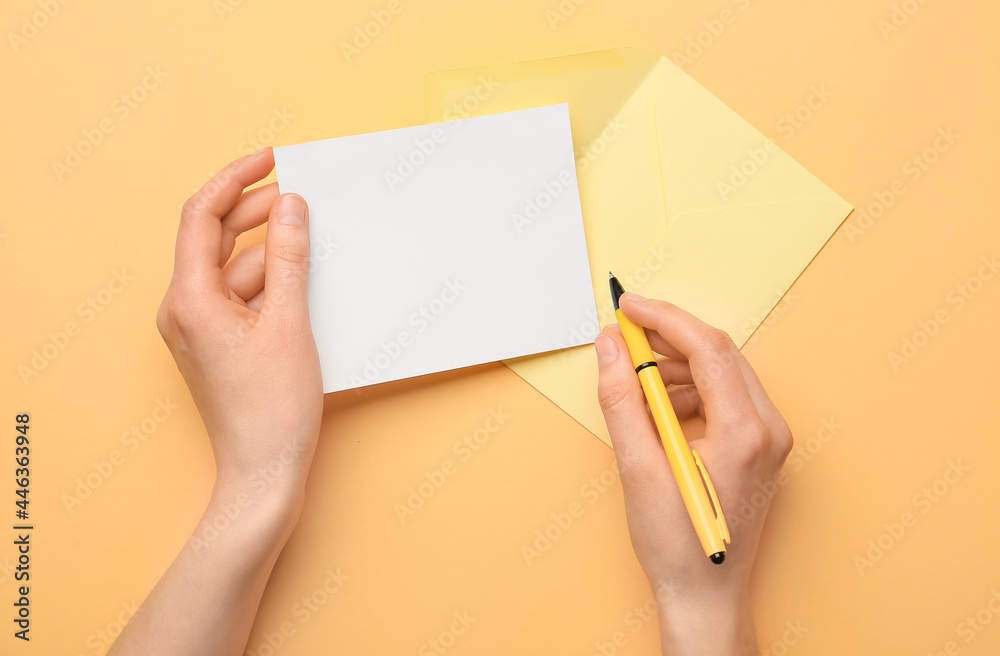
(718, 558)
(616, 289)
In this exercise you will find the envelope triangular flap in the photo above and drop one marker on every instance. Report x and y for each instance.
(597, 82)
(722, 177)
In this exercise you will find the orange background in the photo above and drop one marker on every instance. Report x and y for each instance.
(823, 354)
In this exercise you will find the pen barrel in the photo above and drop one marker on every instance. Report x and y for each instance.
(635, 339)
(686, 472)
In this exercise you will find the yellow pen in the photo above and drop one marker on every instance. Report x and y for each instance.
(695, 485)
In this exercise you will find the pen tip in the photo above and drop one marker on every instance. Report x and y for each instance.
(718, 558)
(616, 290)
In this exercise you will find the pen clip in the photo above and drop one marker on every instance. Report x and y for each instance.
(720, 518)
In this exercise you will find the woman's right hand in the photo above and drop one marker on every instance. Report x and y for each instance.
(703, 608)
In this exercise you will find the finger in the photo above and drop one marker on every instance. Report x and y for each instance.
(711, 354)
(781, 434)
(250, 211)
(661, 346)
(256, 302)
(286, 257)
(244, 274)
(633, 434)
(686, 401)
(199, 236)
(674, 372)
(765, 407)
(684, 395)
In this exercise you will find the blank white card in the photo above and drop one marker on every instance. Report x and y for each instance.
(442, 246)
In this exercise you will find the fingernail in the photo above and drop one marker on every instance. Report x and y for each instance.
(259, 151)
(291, 210)
(607, 352)
(633, 297)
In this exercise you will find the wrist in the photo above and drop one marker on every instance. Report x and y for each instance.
(254, 522)
(269, 503)
(265, 479)
(707, 625)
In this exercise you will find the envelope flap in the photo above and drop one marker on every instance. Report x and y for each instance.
(595, 85)
(711, 157)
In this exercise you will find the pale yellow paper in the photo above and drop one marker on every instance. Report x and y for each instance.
(655, 151)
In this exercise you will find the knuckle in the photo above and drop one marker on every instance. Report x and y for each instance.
(663, 312)
(191, 207)
(217, 184)
(162, 325)
(612, 394)
(292, 254)
(177, 314)
(662, 305)
(632, 470)
(230, 171)
(756, 438)
(718, 342)
(781, 437)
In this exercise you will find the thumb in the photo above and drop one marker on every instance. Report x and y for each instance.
(286, 255)
(633, 434)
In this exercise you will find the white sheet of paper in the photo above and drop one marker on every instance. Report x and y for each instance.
(442, 246)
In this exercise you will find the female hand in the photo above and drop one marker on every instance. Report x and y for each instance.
(246, 351)
(703, 608)
(246, 348)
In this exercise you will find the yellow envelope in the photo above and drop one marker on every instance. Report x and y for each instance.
(682, 199)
